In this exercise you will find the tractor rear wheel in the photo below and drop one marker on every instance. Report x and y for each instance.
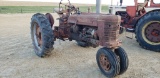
(148, 31)
(108, 62)
(42, 35)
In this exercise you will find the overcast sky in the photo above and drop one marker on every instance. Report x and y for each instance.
(107, 2)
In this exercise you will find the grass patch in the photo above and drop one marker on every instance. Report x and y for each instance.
(41, 9)
(25, 9)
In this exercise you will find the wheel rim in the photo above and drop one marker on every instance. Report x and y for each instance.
(104, 62)
(37, 36)
(151, 32)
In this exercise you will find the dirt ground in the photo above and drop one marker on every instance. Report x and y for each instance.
(18, 60)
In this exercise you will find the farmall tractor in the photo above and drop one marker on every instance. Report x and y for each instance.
(87, 29)
(143, 19)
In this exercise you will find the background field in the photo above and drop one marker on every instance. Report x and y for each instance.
(42, 7)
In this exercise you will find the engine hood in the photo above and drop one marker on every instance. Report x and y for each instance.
(92, 18)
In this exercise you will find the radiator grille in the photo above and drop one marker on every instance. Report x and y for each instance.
(111, 32)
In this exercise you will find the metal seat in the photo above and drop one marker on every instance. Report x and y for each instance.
(140, 6)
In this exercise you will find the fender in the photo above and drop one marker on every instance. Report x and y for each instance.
(135, 23)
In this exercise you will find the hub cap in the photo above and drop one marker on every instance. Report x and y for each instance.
(37, 36)
(151, 32)
(104, 62)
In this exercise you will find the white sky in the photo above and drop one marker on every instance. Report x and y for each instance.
(107, 2)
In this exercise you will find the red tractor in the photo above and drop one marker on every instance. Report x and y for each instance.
(87, 29)
(143, 19)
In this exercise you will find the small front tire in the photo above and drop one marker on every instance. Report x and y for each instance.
(107, 62)
(124, 61)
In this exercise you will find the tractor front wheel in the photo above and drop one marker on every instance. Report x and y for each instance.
(108, 62)
(123, 59)
(148, 31)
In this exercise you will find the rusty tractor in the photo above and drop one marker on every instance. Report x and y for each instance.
(87, 29)
(143, 19)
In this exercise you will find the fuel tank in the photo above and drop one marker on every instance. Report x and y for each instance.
(91, 19)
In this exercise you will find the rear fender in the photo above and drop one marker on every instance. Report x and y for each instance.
(135, 24)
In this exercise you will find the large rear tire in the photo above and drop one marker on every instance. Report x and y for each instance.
(42, 35)
(148, 31)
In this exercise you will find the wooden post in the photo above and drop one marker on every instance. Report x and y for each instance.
(98, 6)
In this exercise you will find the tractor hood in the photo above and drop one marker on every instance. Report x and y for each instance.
(91, 19)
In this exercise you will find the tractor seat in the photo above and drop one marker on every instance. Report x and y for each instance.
(141, 5)
(59, 11)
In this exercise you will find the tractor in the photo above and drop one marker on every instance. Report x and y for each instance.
(143, 19)
(87, 29)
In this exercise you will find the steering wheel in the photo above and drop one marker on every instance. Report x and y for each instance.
(66, 5)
